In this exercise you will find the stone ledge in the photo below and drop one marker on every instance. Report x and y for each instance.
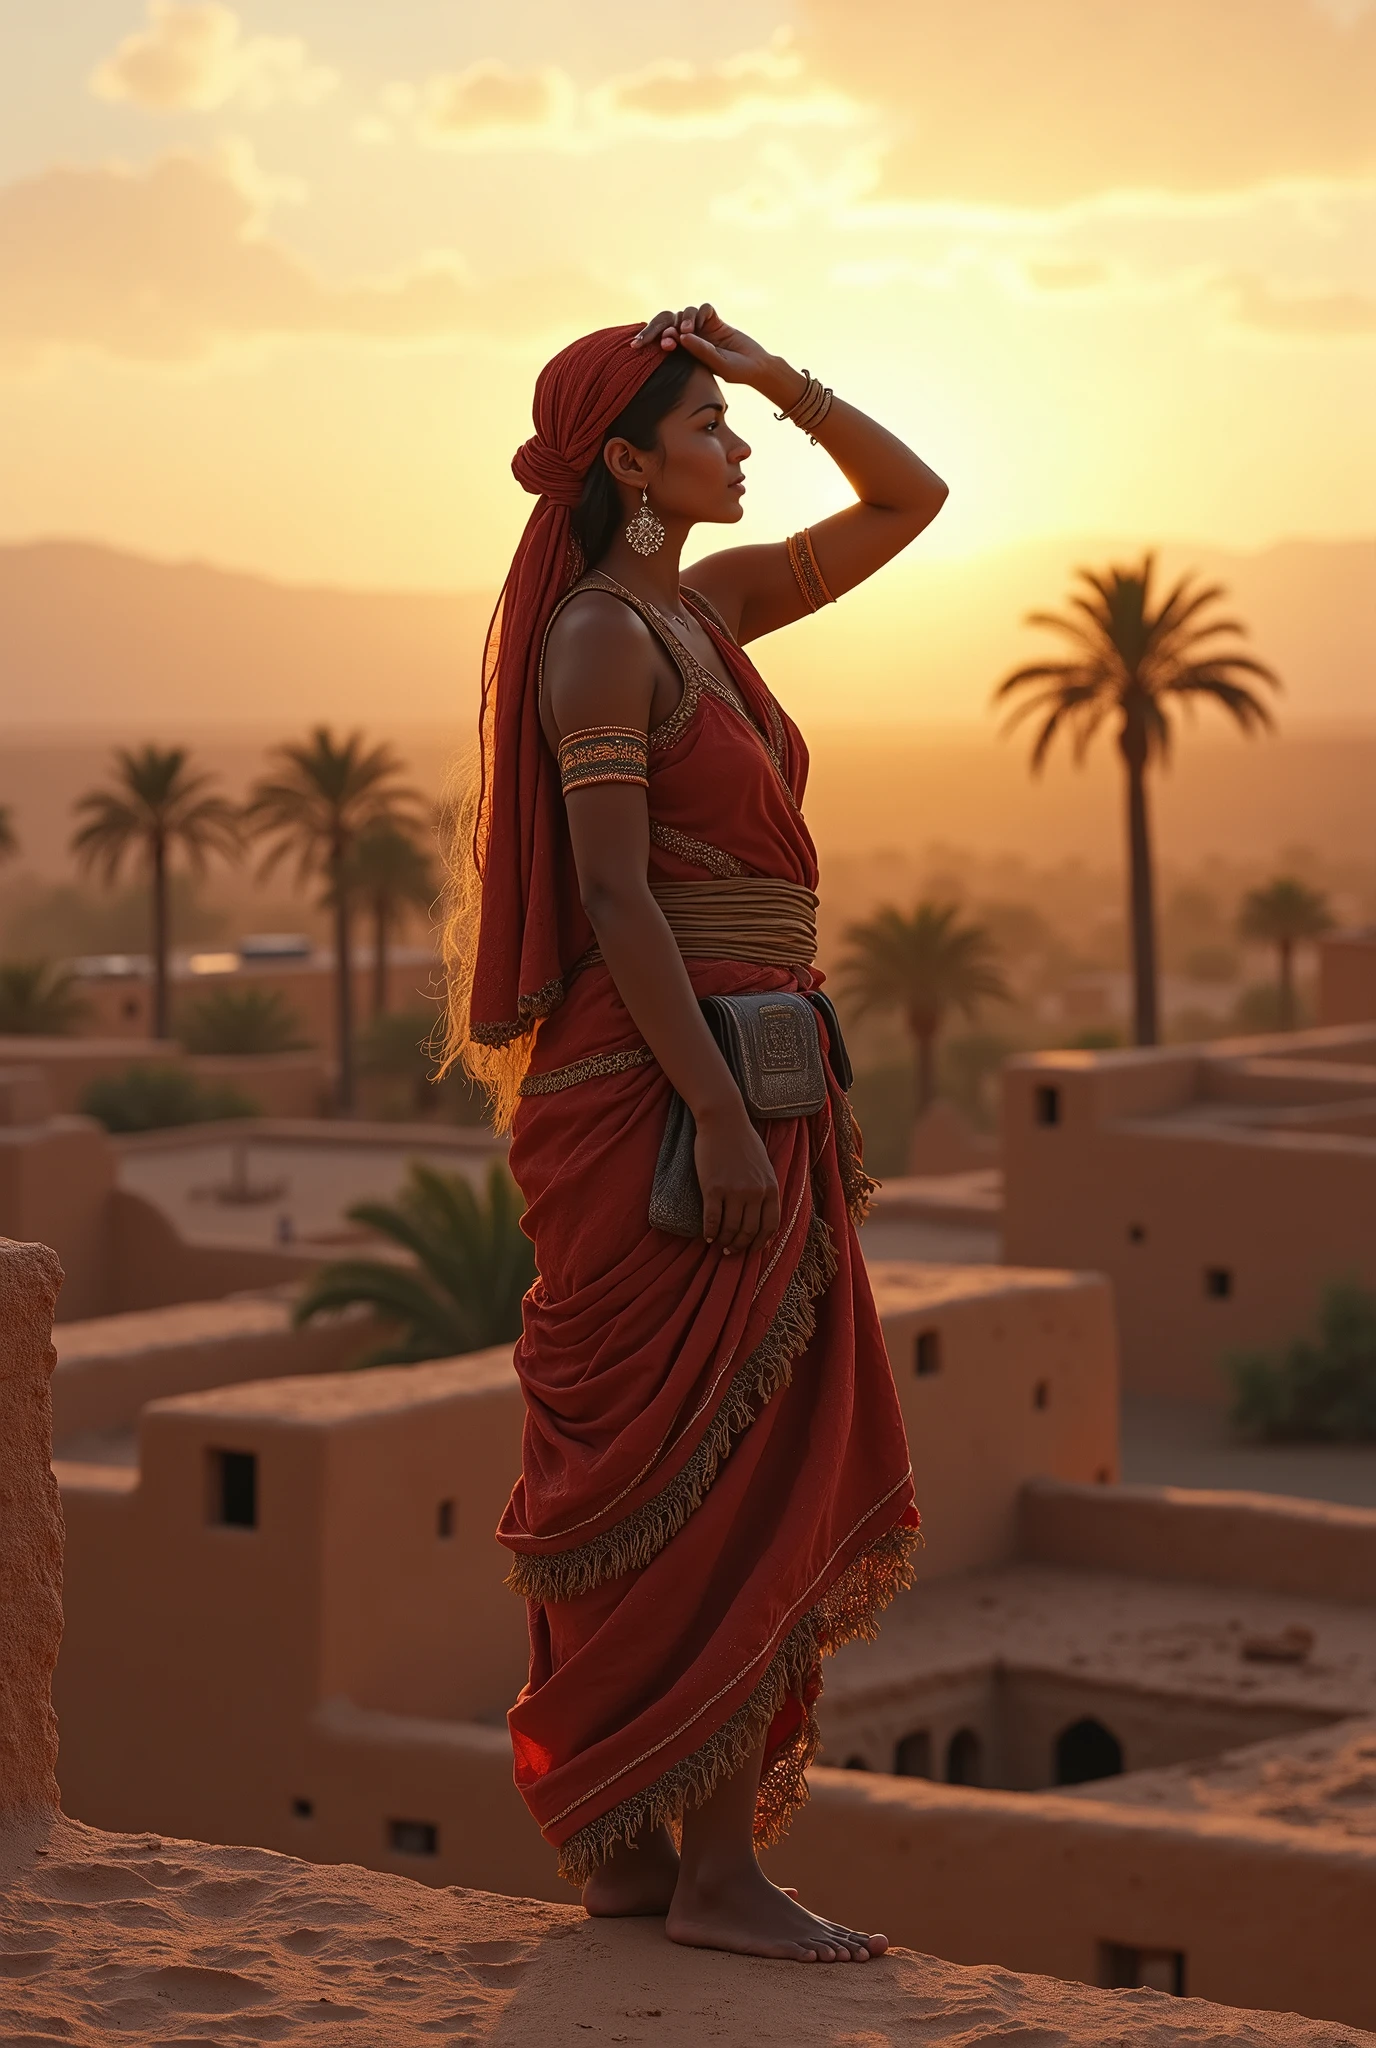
(143, 1938)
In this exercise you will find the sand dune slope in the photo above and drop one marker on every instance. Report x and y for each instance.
(133, 1937)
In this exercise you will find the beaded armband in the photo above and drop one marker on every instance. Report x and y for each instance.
(604, 753)
(806, 574)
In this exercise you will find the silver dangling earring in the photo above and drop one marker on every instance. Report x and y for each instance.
(644, 532)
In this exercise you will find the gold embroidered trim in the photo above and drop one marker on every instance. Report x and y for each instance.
(806, 574)
(633, 1542)
(603, 753)
(530, 1010)
(596, 1063)
(700, 852)
(848, 1609)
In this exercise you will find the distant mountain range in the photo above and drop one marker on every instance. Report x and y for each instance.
(96, 640)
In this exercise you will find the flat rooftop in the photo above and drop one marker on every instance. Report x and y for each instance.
(1167, 1639)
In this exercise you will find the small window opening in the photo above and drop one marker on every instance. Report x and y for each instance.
(303, 1808)
(913, 1756)
(444, 1518)
(1137, 1233)
(1041, 1394)
(927, 1353)
(1048, 1105)
(1122, 1968)
(234, 1489)
(1218, 1282)
(1086, 1750)
(413, 1837)
(855, 1763)
(965, 1758)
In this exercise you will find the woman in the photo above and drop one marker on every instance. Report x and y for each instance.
(715, 1489)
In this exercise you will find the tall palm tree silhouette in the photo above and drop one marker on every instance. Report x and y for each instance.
(321, 797)
(923, 964)
(156, 806)
(1283, 914)
(1132, 659)
(391, 871)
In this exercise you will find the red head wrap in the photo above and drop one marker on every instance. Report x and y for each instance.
(532, 926)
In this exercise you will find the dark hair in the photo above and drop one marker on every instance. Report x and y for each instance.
(597, 514)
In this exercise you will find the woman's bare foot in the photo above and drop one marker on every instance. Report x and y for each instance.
(637, 1878)
(743, 1912)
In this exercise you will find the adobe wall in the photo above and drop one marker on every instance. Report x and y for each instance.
(110, 1367)
(69, 1065)
(1159, 1209)
(1228, 1539)
(30, 1532)
(57, 1185)
(123, 1008)
(1263, 1915)
(1347, 977)
(1020, 1378)
(152, 1265)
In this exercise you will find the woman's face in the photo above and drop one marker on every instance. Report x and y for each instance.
(695, 473)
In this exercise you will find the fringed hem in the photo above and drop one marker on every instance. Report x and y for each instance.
(858, 1186)
(850, 1609)
(632, 1543)
(530, 1011)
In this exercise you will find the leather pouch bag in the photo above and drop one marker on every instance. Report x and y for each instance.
(774, 1050)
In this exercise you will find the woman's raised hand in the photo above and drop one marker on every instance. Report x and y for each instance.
(726, 351)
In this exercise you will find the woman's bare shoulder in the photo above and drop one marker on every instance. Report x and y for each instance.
(599, 662)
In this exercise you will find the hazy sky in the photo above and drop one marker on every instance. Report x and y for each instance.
(275, 277)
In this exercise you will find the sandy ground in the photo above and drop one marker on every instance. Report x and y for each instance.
(133, 1937)
(1326, 1779)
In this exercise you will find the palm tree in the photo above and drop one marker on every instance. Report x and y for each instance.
(1130, 656)
(473, 1265)
(323, 795)
(391, 870)
(39, 1000)
(923, 965)
(157, 804)
(1283, 914)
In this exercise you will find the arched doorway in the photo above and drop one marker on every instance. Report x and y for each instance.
(1087, 1750)
(965, 1758)
(912, 1757)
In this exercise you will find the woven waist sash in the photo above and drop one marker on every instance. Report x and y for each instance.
(750, 918)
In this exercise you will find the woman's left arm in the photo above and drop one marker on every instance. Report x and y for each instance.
(755, 588)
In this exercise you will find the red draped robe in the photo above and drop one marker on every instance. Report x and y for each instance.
(715, 1485)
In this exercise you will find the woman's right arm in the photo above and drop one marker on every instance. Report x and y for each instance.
(600, 670)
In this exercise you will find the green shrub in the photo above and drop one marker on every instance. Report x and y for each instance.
(473, 1264)
(39, 1000)
(241, 1020)
(154, 1098)
(1314, 1392)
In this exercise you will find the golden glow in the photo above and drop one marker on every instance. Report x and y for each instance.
(275, 280)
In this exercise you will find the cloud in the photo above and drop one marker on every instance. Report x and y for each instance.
(491, 107)
(1035, 104)
(193, 55)
(166, 264)
(1065, 273)
(755, 88)
(487, 106)
(1322, 315)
